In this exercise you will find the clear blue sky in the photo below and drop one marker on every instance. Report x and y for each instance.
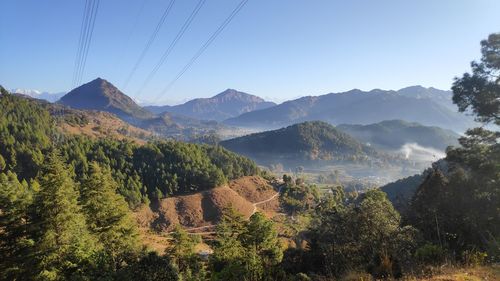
(278, 49)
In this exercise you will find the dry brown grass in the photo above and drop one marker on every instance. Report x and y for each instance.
(105, 125)
(199, 209)
(202, 209)
(479, 273)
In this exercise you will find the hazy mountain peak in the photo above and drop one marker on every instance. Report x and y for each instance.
(28, 92)
(428, 106)
(232, 94)
(51, 97)
(414, 88)
(99, 94)
(394, 134)
(227, 104)
(312, 140)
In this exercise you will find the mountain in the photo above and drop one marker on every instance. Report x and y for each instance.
(393, 134)
(50, 97)
(227, 104)
(305, 141)
(96, 124)
(442, 97)
(180, 127)
(414, 104)
(101, 95)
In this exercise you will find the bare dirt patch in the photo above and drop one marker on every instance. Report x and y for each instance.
(199, 209)
(253, 188)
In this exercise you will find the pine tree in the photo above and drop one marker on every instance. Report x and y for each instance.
(15, 240)
(182, 253)
(108, 216)
(63, 245)
(263, 238)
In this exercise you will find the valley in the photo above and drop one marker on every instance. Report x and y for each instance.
(233, 183)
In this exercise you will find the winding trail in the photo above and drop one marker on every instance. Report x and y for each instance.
(265, 201)
(191, 230)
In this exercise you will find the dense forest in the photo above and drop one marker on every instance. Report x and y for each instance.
(146, 172)
(66, 201)
(311, 144)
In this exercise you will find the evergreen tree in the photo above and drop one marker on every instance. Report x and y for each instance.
(262, 237)
(458, 207)
(108, 216)
(362, 232)
(183, 255)
(63, 244)
(264, 250)
(150, 268)
(245, 250)
(16, 242)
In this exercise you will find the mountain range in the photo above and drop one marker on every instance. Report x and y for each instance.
(393, 134)
(50, 97)
(230, 103)
(427, 106)
(416, 104)
(101, 95)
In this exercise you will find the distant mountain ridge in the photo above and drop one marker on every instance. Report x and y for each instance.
(230, 103)
(393, 134)
(50, 97)
(99, 94)
(427, 106)
(305, 141)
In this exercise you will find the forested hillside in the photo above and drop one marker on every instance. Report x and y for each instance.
(304, 141)
(143, 172)
(393, 134)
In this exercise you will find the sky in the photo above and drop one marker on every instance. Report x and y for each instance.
(276, 49)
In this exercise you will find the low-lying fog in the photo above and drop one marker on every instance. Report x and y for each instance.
(418, 153)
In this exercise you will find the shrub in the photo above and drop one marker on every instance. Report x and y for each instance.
(430, 254)
(474, 257)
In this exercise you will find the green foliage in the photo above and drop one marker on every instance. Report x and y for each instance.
(183, 255)
(363, 232)
(3, 165)
(63, 244)
(245, 250)
(430, 254)
(460, 210)
(480, 91)
(474, 257)
(457, 204)
(158, 169)
(108, 217)
(143, 173)
(297, 196)
(305, 141)
(16, 243)
(150, 268)
(401, 191)
(25, 133)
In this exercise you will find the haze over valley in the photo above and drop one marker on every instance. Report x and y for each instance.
(249, 140)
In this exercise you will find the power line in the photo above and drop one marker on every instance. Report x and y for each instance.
(93, 17)
(80, 41)
(152, 38)
(86, 32)
(202, 49)
(136, 22)
(174, 42)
